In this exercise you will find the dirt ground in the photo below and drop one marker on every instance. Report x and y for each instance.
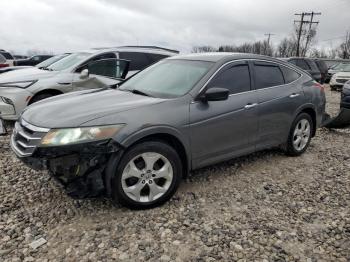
(263, 207)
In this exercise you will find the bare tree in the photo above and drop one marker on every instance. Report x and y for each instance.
(203, 49)
(287, 47)
(344, 48)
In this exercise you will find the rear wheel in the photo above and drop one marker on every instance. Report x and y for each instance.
(147, 175)
(300, 135)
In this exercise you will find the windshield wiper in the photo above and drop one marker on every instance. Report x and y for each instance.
(139, 92)
(45, 68)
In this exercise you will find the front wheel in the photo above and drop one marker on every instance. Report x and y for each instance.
(147, 175)
(300, 135)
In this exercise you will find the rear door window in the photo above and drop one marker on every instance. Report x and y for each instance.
(267, 75)
(156, 57)
(289, 74)
(138, 61)
(235, 78)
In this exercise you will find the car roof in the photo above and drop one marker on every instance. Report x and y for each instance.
(143, 49)
(222, 57)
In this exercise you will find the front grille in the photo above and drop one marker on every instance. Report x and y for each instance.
(342, 81)
(26, 138)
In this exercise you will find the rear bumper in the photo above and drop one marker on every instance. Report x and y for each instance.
(12, 102)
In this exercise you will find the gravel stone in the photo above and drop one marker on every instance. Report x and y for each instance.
(261, 207)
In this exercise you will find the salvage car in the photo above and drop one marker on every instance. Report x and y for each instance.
(136, 142)
(77, 71)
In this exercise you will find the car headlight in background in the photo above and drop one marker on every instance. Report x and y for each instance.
(60, 137)
(21, 84)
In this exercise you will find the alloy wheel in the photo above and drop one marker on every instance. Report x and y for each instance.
(302, 134)
(147, 177)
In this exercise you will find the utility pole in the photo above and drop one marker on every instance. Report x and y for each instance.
(268, 37)
(301, 22)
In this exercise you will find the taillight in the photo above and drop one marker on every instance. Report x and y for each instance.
(319, 86)
(4, 65)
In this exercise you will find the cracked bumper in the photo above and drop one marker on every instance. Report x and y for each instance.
(79, 168)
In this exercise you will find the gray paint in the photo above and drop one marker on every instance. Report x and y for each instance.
(210, 132)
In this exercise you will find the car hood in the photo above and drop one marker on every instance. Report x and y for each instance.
(75, 109)
(26, 74)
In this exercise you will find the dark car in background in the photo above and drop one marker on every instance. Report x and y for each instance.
(322, 66)
(41, 65)
(138, 141)
(32, 61)
(306, 64)
(17, 57)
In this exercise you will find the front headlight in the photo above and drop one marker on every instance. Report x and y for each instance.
(22, 84)
(60, 137)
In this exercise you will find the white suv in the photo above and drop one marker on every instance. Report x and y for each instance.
(82, 70)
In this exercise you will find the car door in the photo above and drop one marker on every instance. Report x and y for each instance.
(224, 129)
(101, 73)
(279, 96)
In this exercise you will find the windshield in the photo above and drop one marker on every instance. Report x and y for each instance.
(169, 78)
(50, 61)
(342, 67)
(69, 61)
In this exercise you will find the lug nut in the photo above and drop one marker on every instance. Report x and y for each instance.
(143, 181)
(153, 175)
(150, 181)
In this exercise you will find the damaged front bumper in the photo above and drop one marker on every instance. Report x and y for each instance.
(79, 167)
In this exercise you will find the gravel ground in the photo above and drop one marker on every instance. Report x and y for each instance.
(264, 207)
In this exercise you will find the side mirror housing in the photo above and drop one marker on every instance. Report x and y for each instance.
(84, 74)
(215, 94)
(3, 130)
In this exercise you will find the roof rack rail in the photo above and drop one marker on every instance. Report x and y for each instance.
(152, 47)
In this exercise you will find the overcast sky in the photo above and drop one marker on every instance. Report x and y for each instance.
(63, 25)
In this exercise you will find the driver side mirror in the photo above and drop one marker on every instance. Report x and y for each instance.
(84, 74)
(215, 94)
(3, 130)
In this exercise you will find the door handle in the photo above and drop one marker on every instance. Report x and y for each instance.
(248, 106)
(294, 95)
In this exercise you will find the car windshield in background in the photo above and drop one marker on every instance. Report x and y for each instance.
(168, 79)
(7, 55)
(69, 61)
(50, 61)
(342, 67)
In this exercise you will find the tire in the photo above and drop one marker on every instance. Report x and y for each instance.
(299, 131)
(138, 186)
(37, 98)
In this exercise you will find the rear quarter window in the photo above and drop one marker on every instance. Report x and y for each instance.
(289, 74)
(267, 75)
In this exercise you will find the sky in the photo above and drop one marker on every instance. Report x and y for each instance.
(72, 25)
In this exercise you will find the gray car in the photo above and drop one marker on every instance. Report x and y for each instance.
(186, 112)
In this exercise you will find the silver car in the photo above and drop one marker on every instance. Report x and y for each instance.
(82, 70)
(135, 143)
